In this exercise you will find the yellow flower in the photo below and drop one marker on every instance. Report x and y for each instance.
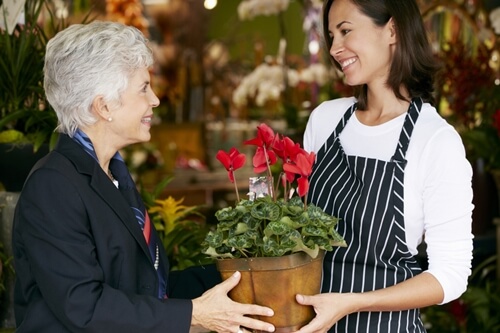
(170, 211)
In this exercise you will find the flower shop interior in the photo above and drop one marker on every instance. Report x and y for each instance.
(224, 66)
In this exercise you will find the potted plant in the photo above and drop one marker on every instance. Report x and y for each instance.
(26, 115)
(284, 236)
(27, 121)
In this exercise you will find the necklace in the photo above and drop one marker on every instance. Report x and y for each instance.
(157, 258)
(110, 175)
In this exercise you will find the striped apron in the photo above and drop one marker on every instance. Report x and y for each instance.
(367, 194)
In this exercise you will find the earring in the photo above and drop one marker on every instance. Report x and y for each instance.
(110, 119)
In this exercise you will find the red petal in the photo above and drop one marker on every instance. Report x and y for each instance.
(224, 158)
(291, 168)
(305, 163)
(260, 168)
(259, 157)
(266, 134)
(254, 142)
(279, 148)
(290, 176)
(239, 161)
(233, 152)
(303, 186)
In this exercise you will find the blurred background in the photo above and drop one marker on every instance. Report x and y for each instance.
(224, 66)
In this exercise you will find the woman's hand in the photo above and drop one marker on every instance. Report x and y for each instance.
(417, 292)
(215, 311)
(329, 309)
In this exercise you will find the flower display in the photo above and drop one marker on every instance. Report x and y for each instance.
(248, 9)
(267, 82)
(471, 89)
(495, 20)
(264, 225)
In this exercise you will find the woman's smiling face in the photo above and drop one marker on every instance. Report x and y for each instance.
(363, 50)
(131, 121)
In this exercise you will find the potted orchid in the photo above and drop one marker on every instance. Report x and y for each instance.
(269, 237)
(264, 225)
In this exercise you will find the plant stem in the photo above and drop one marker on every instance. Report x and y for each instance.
(285, 187)
(270, 174)
(236, 188)
(305, 201)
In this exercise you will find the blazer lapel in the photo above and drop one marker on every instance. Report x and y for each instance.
(103, 187)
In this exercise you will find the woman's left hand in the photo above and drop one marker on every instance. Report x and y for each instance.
(329, 309)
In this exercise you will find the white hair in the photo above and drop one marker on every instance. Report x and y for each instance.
(87, 60)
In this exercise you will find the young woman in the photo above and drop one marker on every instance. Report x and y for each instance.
(394, 172)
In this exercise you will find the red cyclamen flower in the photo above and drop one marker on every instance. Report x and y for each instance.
(302, 166)
(232, 161)
(287, 150)
(265, 137)
(260, 161)
(264, 155)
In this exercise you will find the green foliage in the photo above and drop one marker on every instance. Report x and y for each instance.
(483, 142)
(482, 299)
(477, 311)
(181, 229)
(6, 271)
(23, 106)
(24, 110)
(264, 228)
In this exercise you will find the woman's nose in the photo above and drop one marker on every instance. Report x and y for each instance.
(155, 101)
(336, 48)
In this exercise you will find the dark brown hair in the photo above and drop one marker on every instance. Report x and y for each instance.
(414, 66)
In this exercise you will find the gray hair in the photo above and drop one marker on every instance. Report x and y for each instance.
(87, 60)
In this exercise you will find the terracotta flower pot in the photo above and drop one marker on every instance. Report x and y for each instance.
(274, 282)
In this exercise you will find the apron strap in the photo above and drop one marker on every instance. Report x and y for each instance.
(404, 137)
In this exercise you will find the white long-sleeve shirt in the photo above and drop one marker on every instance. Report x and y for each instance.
(437, 183)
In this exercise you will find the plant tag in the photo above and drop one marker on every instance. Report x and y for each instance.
(259, 187)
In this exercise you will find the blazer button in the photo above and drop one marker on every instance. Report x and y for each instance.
(146, 286)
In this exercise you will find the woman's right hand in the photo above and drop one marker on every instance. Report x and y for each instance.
(215, 311)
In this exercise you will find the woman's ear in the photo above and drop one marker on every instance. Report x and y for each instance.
(392, 30)
(100, 108)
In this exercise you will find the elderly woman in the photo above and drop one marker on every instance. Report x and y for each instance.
(87, 257)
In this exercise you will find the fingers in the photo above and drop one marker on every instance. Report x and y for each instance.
(250, 309)
(302, 299)
(230, 283)
(215, 311)
(255, 324)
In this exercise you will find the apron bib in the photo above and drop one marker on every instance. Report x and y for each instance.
(367, 195)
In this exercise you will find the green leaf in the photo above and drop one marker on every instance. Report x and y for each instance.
(266, 211)
(276, 228)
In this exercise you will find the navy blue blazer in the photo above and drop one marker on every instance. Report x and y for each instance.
(81, 261)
